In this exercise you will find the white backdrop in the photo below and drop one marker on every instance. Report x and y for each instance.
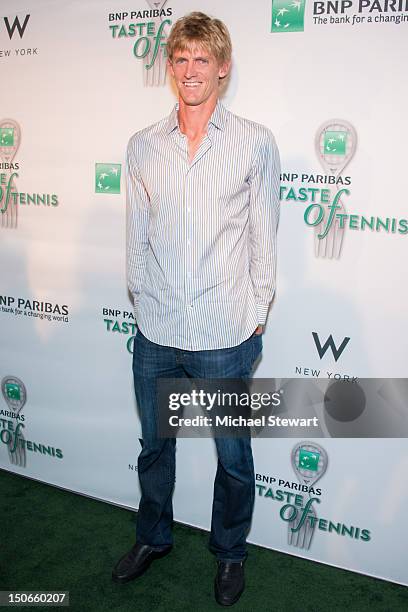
(75, 89)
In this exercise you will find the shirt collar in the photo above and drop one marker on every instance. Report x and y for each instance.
(218, 118)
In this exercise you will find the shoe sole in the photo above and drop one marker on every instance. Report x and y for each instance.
(143, 568)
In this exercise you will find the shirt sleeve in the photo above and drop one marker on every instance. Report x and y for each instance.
(137, 225)
(263, 222)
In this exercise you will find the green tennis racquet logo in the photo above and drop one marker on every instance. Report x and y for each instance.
(14, 393)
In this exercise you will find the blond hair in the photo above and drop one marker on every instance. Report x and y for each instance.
(198, 28)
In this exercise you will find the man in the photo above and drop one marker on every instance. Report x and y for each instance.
(201, 245)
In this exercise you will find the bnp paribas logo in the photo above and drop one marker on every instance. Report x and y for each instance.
(308, 460)
(335, 142)
(288, 15)
(6, 137)
(107, 178)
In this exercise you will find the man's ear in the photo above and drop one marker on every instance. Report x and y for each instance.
(224, 69)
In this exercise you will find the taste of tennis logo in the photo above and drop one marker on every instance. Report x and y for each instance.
(309, 462)
(148, 30)
(326, 196)
(10, 198)
(11, 428)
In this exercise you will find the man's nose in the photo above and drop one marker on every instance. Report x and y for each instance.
(190, 69)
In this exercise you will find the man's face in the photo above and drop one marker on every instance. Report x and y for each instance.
(196, 74)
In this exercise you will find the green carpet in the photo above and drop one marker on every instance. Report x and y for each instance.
(55, 540)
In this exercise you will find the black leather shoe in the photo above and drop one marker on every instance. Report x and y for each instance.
(136, 562)
(229, 582)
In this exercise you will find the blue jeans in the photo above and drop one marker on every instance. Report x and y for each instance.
(234, 486)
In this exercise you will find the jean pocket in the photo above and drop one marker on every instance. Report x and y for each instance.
(258, 344)
(253, 348)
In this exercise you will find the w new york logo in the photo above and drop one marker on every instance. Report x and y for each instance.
(288, 15)
(322, 348)
(16, 25)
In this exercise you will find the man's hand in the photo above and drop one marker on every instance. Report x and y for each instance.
(259, 330)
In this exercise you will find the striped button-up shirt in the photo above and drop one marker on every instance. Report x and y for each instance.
(201, 235)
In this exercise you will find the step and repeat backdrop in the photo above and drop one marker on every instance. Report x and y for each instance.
(329, 79)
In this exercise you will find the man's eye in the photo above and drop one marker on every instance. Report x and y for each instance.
(181, 60)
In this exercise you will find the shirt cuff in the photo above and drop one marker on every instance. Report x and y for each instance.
(262, 313)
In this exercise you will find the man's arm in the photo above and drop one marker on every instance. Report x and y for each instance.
(137, 225)
(263, 222)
